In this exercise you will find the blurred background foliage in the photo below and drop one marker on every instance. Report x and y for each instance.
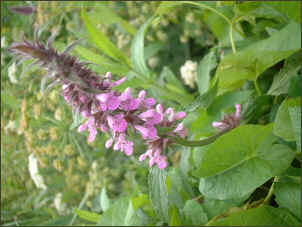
(84, 175)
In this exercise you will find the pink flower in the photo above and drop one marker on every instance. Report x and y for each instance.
(148, 132)
(108, 101)
(151, 117)
(145, 102)
(117, 123)
(128, 103)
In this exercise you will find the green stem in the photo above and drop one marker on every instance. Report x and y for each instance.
(199, 143)
(271, 191)
(79, 207)
(257, 88)
(232, 39)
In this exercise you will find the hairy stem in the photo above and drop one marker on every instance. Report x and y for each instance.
(199, 143)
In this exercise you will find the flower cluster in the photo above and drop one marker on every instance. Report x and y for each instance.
(117, 113)
(105, 109)
(229, 121)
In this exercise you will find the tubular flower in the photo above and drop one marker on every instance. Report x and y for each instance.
(229, 121)
(105, 109)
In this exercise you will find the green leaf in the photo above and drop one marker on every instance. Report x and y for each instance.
(282, 80)
(291, 9)
(121, 213)
(260, 216)
(77, 119)
(205, 67)
(166, 7)
(179, 189)
(102, 41)
(106, 64)
(248, 64)
(229, 162)
(288, 195)
(194, 213)
(227, 100)
(158, 192)
(137, 50)
(294, 109)
(105, 15)
(104, 200)
(294, 89)
(175, 219)
(214, 207)
(283, 126)
(152, 49)
(202, 101)
(88, 216)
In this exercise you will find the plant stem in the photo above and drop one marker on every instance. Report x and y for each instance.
(257, 88)
(271, 191)
(199, 143)
(79, 207)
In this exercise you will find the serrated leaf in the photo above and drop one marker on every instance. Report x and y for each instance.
(102, 41)
(107, 64)
(104, 200)
(248, 64)
(88, 216)
(137, 50)
(205, 67)
(260, 216)
(158, 192)
(229, 162)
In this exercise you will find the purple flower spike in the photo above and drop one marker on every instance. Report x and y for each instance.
(107, 110)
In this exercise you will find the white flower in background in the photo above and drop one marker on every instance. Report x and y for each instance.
(189, 73)
(12, 73)
(59, 205)
(10, 125)
(190, 17)
(34, 172)
(153, 62)
(3, 42)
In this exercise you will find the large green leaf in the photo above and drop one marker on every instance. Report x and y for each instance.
(260, 216)
(292, 9)
(283, 126)
(205, 67)
(107, 64)
(137, 50)
(121, 213)
(175, 219)
(288, 195)
(249, 63)
(240, 161)
(194, 213)
(102, 41)
(158, 192)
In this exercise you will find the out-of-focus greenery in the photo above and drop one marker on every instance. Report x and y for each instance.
(242, 55)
